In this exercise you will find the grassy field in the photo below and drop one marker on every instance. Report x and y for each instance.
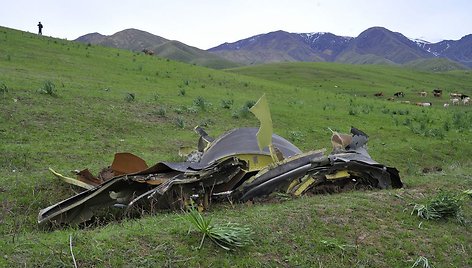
(70, 106)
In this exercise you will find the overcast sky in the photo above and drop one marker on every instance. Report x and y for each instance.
(208, 23)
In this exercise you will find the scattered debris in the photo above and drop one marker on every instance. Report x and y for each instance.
(240, 165)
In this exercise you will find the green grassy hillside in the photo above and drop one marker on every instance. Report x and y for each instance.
(435, 65)
(107, 100)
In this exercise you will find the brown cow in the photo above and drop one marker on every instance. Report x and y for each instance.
(437, 92)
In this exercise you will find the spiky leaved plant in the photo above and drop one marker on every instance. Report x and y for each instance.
(227, 236)
(421, 262)
(442, 206)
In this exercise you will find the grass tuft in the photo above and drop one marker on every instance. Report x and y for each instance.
(48, 88)
(3, 89)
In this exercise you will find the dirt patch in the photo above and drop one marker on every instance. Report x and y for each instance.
(432, 169)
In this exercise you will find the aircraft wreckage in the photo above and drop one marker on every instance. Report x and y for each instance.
(239, 166)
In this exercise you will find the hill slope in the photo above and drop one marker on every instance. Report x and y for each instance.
(137, 40)
(90, 114)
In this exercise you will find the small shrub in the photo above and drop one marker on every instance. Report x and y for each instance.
(161, 112)
(3, 89)
(226, 104)
(201, 103)
(444, 205)
(129, 97)
(244, 111)
(179, 122)
(248, 104)
(48, 88)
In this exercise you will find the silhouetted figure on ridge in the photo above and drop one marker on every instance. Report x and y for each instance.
(40, 28)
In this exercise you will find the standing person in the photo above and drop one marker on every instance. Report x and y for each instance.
(40, 28)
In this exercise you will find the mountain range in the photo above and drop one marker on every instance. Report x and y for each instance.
(376, 45)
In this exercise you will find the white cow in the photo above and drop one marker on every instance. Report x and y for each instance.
(466, 101)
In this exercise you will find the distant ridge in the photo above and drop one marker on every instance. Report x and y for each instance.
(282, 46)
(137, 40)
(376, 45)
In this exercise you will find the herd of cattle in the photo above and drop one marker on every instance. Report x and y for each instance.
(455, 98)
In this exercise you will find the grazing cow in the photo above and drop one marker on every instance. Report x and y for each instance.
(466, 101)
(455, 95)
(424, 104)
(148, 52)
(379, 94)
(423, 94)
(399, 94)
(391, 98)
(455, 101)
(405, 102)
(464, 96)
(437, 92)
(445, 105)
